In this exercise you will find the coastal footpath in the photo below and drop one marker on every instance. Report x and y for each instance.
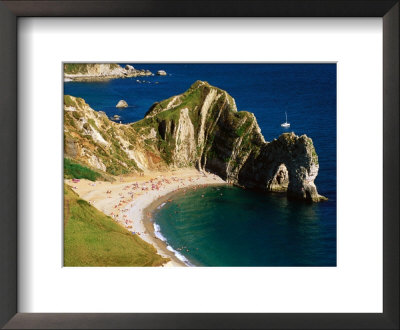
(200, 129)
(100, 72)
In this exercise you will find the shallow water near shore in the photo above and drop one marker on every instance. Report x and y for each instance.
(229, 226)
(241, 227)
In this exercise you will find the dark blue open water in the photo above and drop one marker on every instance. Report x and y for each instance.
(243, 228)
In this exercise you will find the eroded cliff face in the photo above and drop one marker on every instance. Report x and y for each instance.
(200, 128)
(91, 138)
(288, 163)
(96, 71)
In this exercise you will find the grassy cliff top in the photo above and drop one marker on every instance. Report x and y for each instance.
(93, 239)
(82, 68)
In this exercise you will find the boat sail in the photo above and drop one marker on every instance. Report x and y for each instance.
(285, 124)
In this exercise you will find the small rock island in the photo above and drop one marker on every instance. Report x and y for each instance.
(122, 104)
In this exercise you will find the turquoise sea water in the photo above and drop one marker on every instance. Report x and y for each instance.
(241, 227)
(232, 227)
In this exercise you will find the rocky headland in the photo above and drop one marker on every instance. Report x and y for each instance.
(100, 72)
(200, 128)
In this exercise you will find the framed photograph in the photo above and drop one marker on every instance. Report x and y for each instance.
(170, 167)
(193, 175)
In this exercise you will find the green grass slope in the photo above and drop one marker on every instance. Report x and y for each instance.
(82, 68)
(93, 239)
(74, 170)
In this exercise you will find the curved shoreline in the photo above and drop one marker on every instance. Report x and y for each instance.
(141, 210)
(131, 199)
(148, 222)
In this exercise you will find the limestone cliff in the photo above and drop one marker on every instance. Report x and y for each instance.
(199, 128)
(96, 72)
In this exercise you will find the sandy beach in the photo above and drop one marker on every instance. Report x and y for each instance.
(131, 199)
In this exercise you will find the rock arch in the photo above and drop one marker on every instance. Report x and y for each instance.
(287, 164)
(280, 180)
(297, 155)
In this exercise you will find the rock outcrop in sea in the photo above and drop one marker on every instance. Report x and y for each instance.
(100, 72)
(200, 128)
(122, 104)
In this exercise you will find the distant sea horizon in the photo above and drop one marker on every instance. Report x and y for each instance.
(232, 226)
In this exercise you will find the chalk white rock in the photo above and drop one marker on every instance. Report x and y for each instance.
(161, 73)
(122, 104)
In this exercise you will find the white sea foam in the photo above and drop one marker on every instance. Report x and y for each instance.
(177, 254)
(159, 207)
(160, 236)
(180, 256)
(158, 233)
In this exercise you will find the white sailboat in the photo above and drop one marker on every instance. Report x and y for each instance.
(285, 124)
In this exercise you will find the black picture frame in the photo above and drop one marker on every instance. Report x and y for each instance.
(9, 13)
